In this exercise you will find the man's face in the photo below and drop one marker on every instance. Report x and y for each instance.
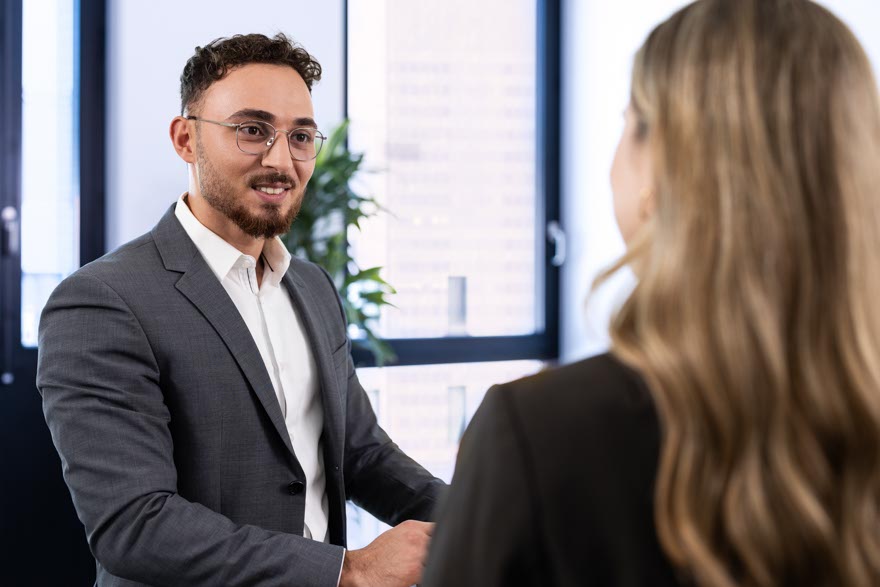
(240, 187)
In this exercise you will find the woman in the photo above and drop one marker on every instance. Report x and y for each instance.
(732, 437)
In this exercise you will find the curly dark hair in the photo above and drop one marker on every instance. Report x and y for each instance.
(213, 61)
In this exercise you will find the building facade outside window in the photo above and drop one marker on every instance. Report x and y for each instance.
(448, 101)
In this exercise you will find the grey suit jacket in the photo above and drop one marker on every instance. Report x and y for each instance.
(171, 438)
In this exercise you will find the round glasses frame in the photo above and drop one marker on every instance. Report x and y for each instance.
(305, 147)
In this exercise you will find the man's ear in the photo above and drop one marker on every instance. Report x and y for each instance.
(183, 139)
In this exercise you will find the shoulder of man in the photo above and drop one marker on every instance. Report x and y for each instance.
(135, 256)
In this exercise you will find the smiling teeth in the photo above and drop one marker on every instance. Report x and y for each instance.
(271, 191)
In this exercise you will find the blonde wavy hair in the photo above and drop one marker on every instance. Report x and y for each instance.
(756, 319)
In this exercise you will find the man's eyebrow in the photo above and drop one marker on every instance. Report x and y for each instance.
(253, 114)
(305, 121)
(256, 114)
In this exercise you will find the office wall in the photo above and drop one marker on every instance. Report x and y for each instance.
(600, 39)
(147, 46)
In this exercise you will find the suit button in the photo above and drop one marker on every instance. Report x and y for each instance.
(295, 487)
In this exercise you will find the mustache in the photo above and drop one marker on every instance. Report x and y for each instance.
(272, 178)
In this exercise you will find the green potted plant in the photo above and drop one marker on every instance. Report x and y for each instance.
(320, 234)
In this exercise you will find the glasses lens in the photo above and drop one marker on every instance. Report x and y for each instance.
(254, 136)
(305, 143)
(319, 142)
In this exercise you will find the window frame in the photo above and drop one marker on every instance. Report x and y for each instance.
(92, 27)
(10, 185)
(542, 345)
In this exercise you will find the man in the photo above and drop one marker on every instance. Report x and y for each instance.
(198, 381)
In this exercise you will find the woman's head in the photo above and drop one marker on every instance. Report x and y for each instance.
(746, 117)
(756, 132)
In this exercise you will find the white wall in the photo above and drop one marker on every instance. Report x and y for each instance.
(600, 40)
(147, 46)
(863, 17)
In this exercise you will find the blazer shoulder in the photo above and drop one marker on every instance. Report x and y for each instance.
(599, 400)
(599, 382)
(134, 262)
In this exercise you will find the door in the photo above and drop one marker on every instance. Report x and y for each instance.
(51, 72)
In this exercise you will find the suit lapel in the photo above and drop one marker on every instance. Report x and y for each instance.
(306, 306)
(199, 284)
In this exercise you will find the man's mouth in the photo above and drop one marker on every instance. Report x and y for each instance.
(270, 190)
(273, 190)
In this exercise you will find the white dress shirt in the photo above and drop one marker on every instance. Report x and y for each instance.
(281, 339)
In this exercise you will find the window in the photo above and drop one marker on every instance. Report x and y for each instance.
(456, 142)
(49, 178)
(425, 409)
(454, 104)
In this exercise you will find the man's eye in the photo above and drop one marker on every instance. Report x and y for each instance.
(253, 131)
(302, 137)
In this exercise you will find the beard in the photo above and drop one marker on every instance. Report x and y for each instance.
(220, 195)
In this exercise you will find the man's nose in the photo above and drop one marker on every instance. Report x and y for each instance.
(278, 155)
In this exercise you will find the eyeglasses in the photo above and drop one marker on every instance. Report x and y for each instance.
(256, 137)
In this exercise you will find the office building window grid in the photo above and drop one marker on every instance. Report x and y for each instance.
(447, 123)
(442, 97)
(425, 409)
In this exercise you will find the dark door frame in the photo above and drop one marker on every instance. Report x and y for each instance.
(38, 519)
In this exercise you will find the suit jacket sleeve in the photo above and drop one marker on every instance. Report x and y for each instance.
(487, 532)
(379, 476)
(102, 398)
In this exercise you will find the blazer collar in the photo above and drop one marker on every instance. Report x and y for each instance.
(199, 284)
(175, 247)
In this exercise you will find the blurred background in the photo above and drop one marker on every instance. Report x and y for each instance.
(487, 127)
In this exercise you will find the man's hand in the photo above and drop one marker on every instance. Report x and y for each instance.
(394, 559)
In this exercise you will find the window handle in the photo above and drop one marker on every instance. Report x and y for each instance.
(10, 236)
(8, 248)
(556, 236)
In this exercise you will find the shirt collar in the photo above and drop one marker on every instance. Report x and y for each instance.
(277, 260)
(221, 256)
